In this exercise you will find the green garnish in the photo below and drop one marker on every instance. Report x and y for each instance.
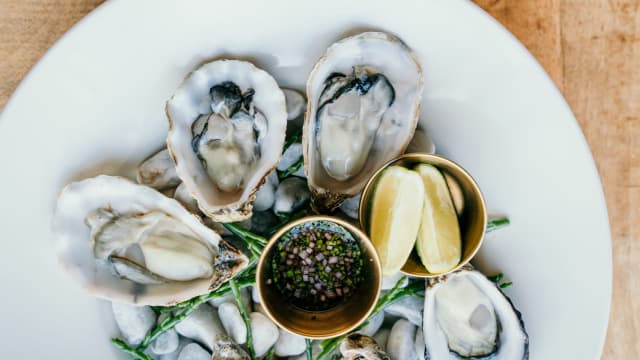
(497, 223)
(245, 316)
(309, 350)
(291, 169)
(313, 274)
(269, 355)
(136, 354)
(294, 138)
(496, 278)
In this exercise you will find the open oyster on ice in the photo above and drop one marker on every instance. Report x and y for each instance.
(467, 316)
(129, 243)
(363, 106)
(227, 124)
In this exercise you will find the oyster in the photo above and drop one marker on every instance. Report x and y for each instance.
(227, 124)
(467, 316)
(129, 243)
(225, 349)
(158, 171)
(363, 106)
(361, 347)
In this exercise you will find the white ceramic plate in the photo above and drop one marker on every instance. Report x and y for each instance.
(94, 104)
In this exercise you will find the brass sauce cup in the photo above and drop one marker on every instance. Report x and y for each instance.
(467, 199)
(332, 322)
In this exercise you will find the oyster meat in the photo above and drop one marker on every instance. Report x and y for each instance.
(129, 243)
(363, 106)
(467, 316)
(227, 124)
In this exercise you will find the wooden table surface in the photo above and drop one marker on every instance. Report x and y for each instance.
(591, 49)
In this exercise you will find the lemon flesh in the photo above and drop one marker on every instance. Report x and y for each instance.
(396, 212)
(438, 245)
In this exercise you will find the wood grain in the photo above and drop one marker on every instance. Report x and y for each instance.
(28, 28)
(536, 23)
(602, 66)
(590, 48)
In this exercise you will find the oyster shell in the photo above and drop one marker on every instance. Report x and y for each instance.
(361, 347)
(129, 243)
(225, 349)
(227, 124)
(363, 105)
(467, 316)
(158, 171)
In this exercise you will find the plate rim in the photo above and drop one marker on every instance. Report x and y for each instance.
(109, 5)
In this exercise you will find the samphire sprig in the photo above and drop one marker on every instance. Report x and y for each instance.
(497, 223)
(245, 316)
(254, 242)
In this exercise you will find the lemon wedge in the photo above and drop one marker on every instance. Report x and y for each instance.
(396, 212)
(439, 245)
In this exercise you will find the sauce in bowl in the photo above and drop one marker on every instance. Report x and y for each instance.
(316, 265)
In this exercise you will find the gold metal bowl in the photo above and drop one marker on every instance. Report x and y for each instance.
(467, 198)
(332, 322)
